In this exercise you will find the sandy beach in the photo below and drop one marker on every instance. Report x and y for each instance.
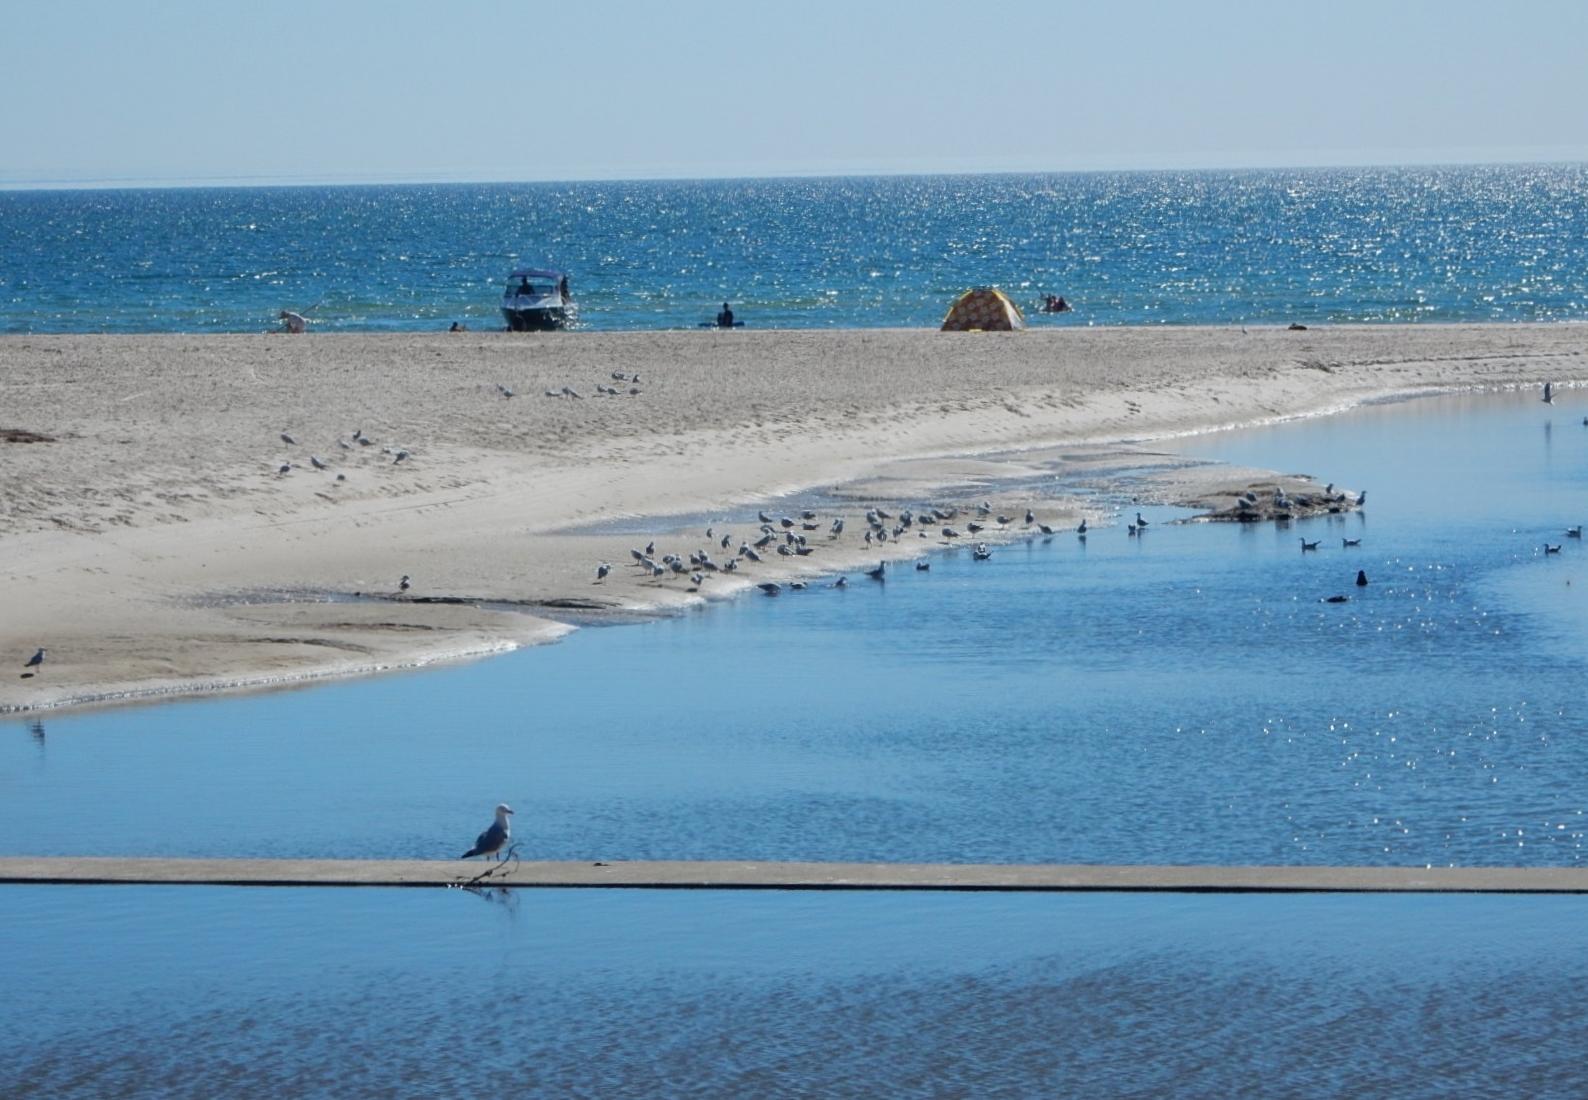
(152, 543)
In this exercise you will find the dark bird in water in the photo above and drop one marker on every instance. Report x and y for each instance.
(841, 582)
(1574, 532)
(922, 566)
(1044, 528)
(490, 842)
(1361, 578)
(1549, 396)
(1081, 529)
(1361, 498)
(1350, 542)
(1305, 545)
(771, 588)
(877, 573)
(1337, 599)
(1555, 549)
(1031, 517)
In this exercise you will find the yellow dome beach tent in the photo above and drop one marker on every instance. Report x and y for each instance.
(986, 309)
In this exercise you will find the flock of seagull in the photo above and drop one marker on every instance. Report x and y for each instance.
(358, 440)
(632, 381)
(791, 537)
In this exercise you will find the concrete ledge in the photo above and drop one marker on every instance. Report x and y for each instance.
(794, 876)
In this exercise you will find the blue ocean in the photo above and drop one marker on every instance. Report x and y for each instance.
(1189, 695)
(1274, 246)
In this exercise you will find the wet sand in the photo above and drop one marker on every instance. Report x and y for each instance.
(153, 545)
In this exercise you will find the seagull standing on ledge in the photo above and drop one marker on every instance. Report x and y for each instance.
(490, 842)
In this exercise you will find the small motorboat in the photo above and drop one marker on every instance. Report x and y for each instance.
(536, 299)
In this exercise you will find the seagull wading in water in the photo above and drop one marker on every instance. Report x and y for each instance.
(491, 841)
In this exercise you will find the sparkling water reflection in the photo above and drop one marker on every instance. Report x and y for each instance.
(1498, 243)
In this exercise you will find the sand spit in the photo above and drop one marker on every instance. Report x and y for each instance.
(197, 513)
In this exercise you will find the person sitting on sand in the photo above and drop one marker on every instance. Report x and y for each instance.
(725, 318)
(457, 327)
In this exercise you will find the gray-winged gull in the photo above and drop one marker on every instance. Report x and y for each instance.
(491, 841)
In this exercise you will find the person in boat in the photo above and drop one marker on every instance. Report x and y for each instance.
(524, 288)
(725, 318)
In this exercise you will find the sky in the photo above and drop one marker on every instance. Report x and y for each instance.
(200, 91)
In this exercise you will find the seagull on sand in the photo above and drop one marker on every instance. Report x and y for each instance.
(317, 462)
(491, 841)
(37, 660)
(602, 570)
(404, 584)
(286, 438)
(503, 390)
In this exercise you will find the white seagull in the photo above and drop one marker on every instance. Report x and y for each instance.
(491, 841)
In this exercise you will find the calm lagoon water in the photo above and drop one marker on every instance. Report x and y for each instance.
(203, 992)
(1180, 698)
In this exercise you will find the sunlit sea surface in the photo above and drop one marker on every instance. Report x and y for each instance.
(1316, 245)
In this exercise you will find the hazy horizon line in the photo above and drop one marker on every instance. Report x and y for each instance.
(139, 183)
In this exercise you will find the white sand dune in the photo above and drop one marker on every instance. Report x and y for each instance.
(151, 544)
